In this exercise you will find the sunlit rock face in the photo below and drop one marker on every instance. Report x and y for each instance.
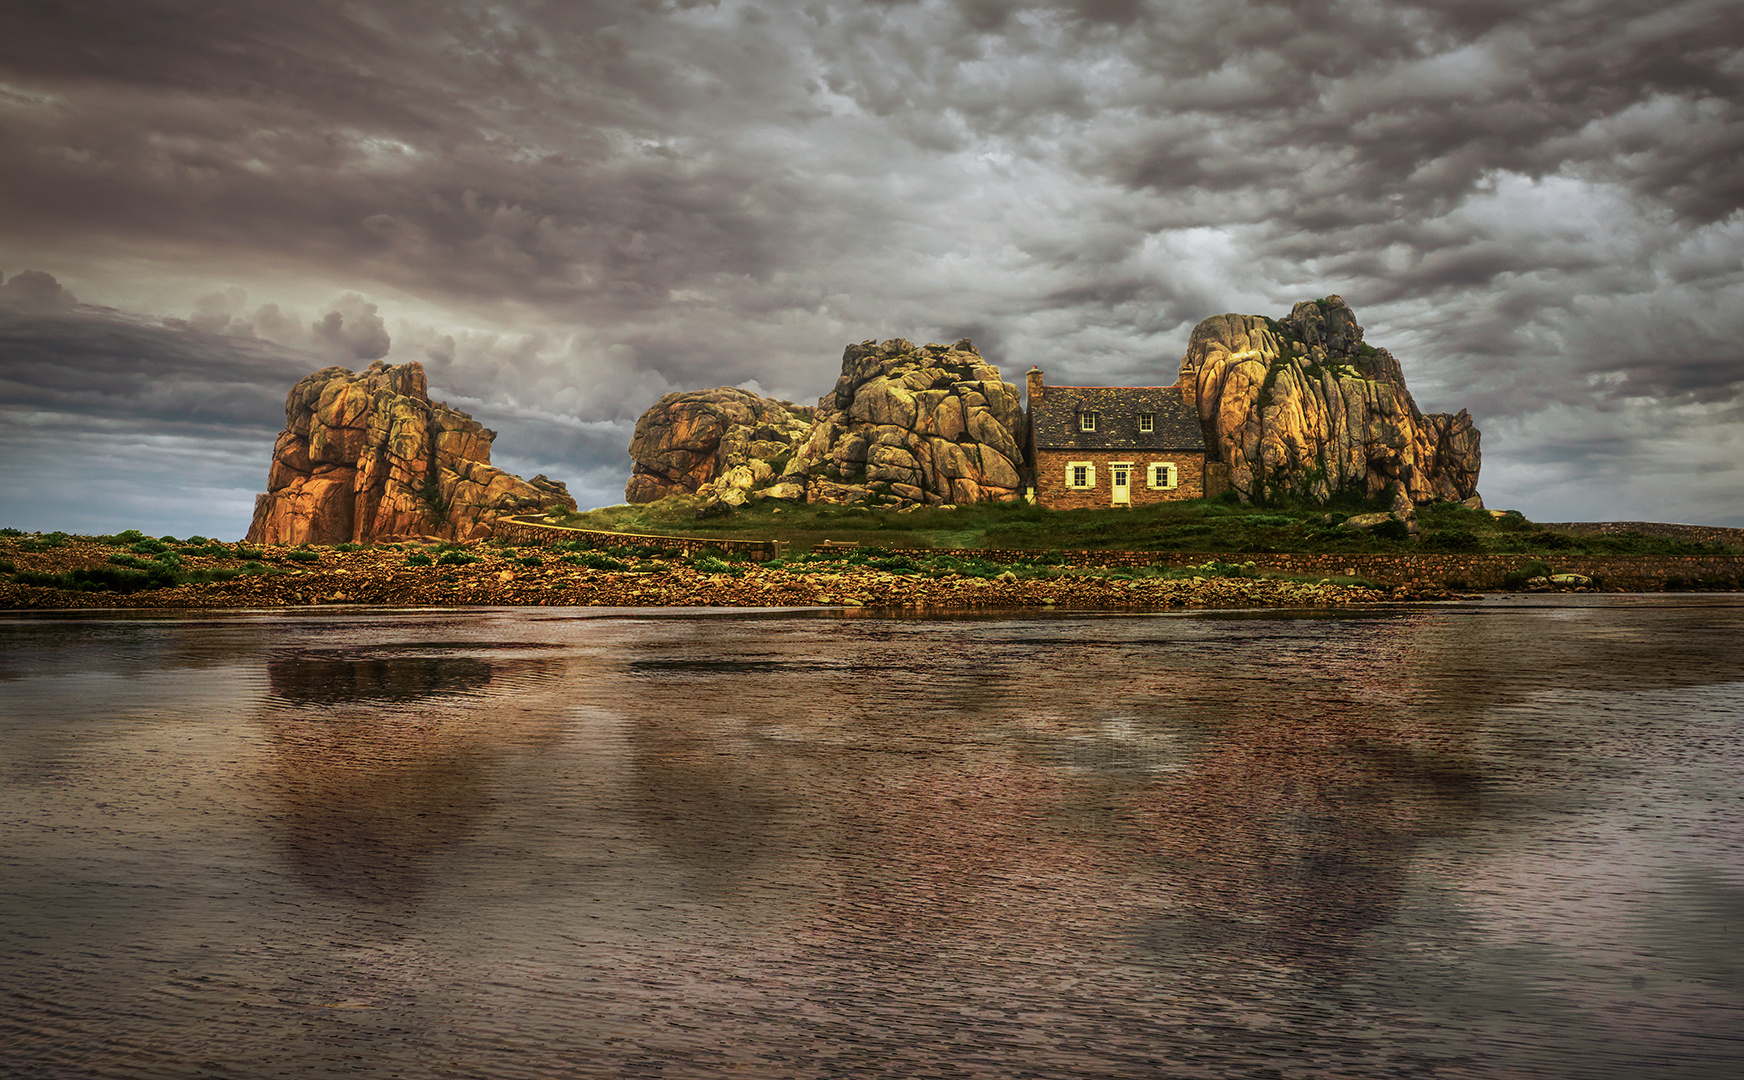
(366, 456)
(1301, 406)
(905, 425)
(929, 424)
(723, 439)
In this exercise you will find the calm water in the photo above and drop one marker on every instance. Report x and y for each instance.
(1498, 839)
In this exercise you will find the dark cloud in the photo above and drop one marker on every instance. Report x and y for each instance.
(1539, 207)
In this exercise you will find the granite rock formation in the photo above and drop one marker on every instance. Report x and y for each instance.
(1302, 406)
(368, 456)
(905, 425)
(932, 424)
(725, 440)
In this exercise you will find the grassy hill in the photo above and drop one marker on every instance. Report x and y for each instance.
(1212, 525)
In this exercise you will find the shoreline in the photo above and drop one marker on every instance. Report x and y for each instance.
(683, 587)
(199, 574)
(489, 574)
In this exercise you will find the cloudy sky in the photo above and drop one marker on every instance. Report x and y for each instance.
(566, 209)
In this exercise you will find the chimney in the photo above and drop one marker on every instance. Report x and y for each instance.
(1189, 387)
(1034, 380)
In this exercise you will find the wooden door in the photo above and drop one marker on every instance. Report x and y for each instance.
(1122, 476)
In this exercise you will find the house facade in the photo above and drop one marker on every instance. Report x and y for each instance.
(1110, 446)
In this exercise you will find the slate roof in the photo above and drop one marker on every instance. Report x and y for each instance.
(1056, 420)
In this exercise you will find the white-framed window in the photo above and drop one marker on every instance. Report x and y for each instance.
(1080, 475)
(1163, 476)
(1147, 422)
(1087, 420)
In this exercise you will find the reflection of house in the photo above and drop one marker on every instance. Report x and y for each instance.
(1095, 446)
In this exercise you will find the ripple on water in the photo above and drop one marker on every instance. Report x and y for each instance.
(1438, 842)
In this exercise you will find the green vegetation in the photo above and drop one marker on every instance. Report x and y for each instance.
(593, 560)
(303, 556)
(1207, 525)
(1515, 579)
(430, 494)
(131, 571)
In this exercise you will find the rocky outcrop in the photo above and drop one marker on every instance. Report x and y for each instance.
(905, 425)
(726, 440)
(1302, 406)
(368, 456)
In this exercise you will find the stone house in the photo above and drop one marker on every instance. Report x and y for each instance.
(1098, 446)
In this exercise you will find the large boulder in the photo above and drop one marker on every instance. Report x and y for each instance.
(368, 455)
(1302, 406)
(724, 439)
(907, 425)
(904, 425)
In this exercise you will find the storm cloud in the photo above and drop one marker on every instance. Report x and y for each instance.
(567, 210)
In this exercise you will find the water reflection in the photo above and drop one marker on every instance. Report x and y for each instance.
(315, 680)
(380, 760)
(1435, 843)
(1156, 789)
(1291, 841)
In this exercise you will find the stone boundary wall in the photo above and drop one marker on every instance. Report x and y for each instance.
(1700, 534)
(1631, 573)
(526, 532)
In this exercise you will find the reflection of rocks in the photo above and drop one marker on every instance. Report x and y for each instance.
(1282, 836)
(1289, 840)
(380, 763)
(367, 825)
(313, 680)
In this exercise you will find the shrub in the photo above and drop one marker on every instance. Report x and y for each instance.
(149, 547)
(456, 558)
(418, 559)
(531, 560)
(709, 564)
(104, 579)
(1391, 529)
(45, 542)
(593, 560)
(349, 547)
(1514, 579)
(11, 532)
(1552, 541)
(249, 553)
(303, 556)
(1453, 540)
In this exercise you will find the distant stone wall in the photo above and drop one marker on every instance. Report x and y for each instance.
(516, 531)
(1697, 534)
(1631, 573)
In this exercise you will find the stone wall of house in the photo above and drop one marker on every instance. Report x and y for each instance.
(1052, 492)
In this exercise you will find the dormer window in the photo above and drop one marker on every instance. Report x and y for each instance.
(1147, 422)
(1087, 421)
